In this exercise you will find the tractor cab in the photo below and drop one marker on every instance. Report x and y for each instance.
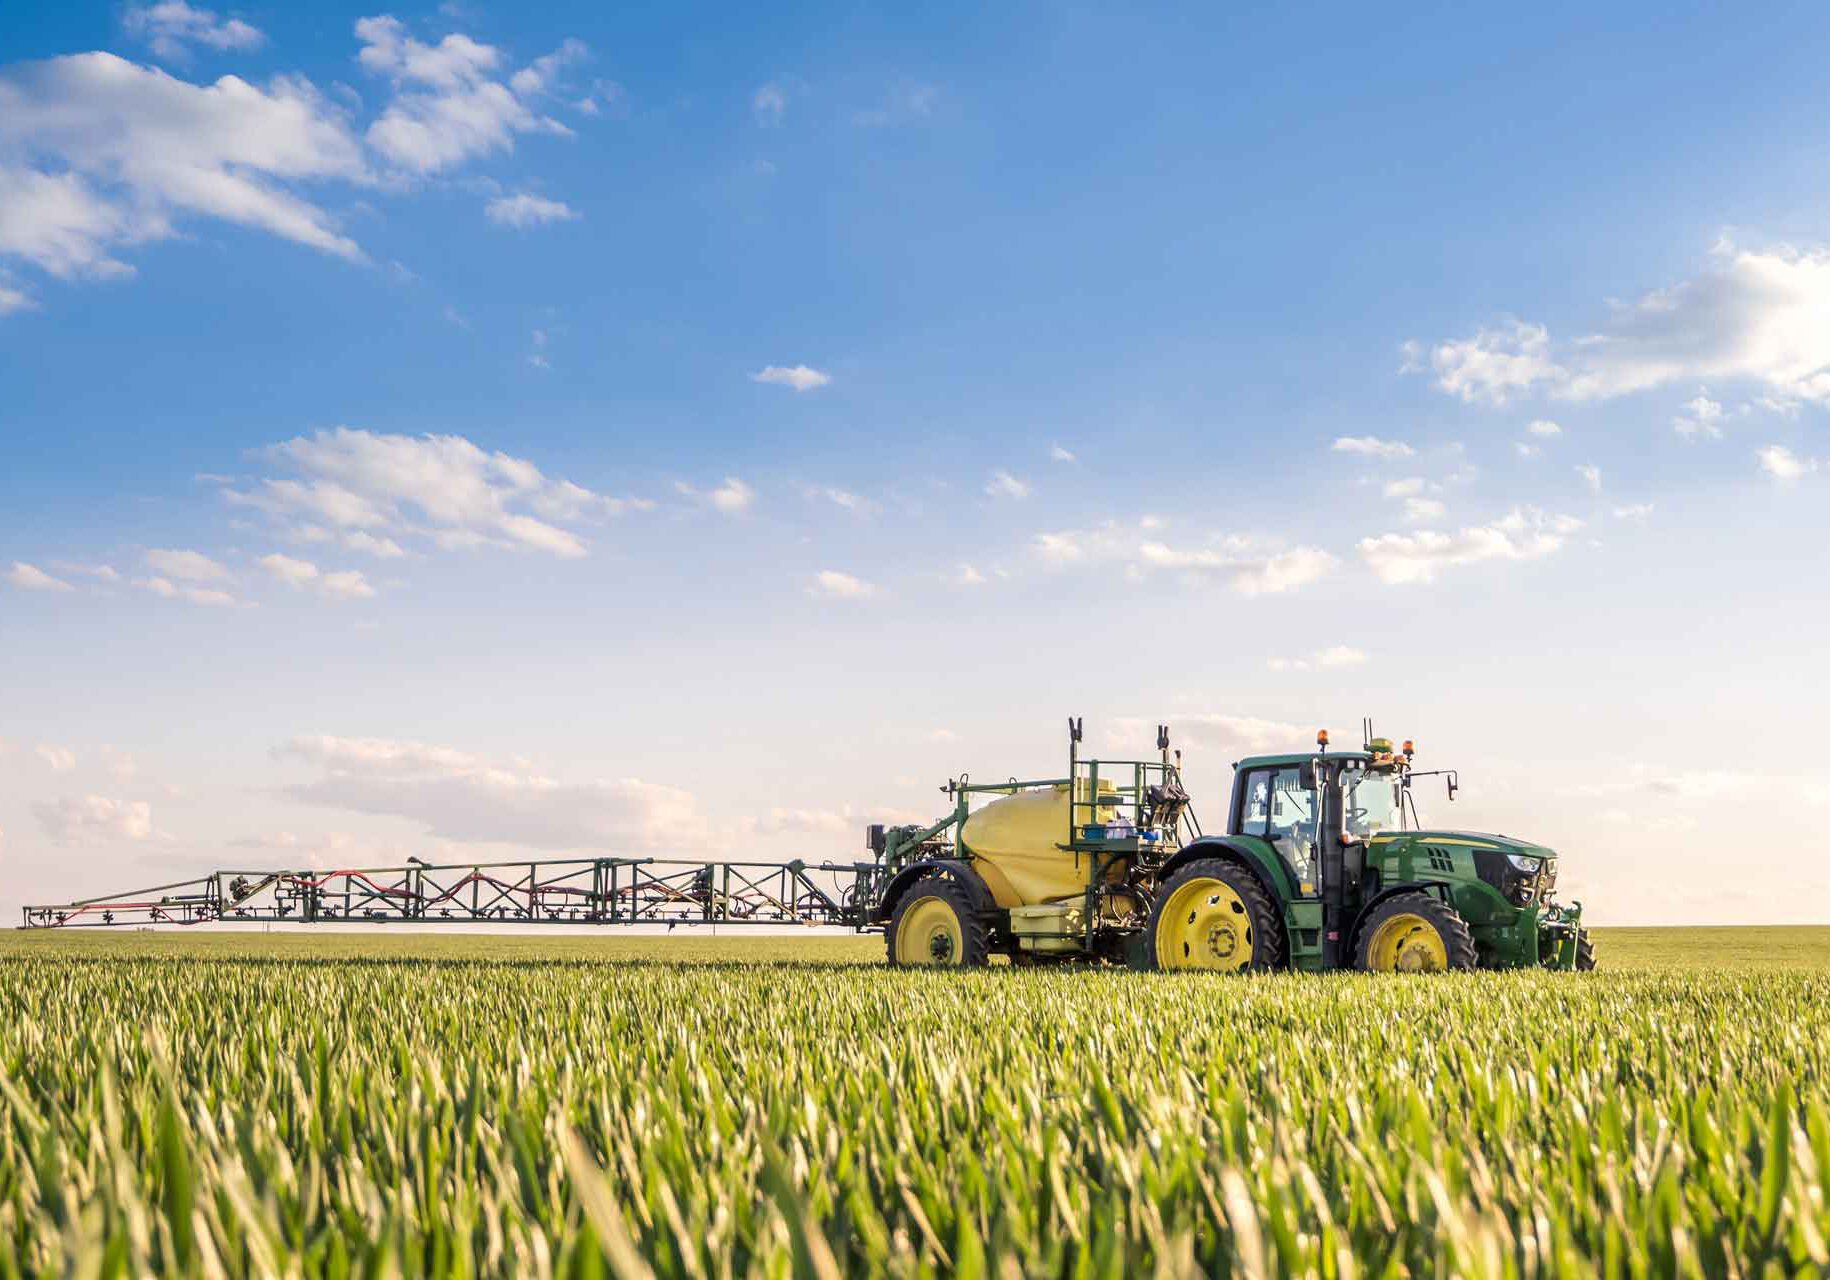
(1313, 808)
(1335, 835)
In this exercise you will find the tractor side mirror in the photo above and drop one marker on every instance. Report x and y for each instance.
(1454, 785)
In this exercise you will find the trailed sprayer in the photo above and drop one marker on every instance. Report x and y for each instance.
(1323, 864)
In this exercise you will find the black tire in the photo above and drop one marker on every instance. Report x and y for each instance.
(967, 941)
(1457, 942)
(1585, 951)
(1265, 927)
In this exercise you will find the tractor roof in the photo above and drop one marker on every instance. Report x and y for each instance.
(1299, 757)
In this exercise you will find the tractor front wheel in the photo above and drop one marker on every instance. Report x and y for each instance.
(935, 924)
(1213, 914)
(1414, 933)
(1585, 951)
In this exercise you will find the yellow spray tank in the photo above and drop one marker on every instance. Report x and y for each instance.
(1017, 842)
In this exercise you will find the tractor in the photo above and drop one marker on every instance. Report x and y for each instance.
(1323, 865)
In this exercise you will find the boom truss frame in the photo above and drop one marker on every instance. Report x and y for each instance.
(583, 891)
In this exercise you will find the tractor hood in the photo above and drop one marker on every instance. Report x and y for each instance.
(1471, 839)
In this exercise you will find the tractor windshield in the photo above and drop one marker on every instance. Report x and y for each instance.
(1374, 802)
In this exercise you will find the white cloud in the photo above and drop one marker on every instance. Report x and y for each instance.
(1544, 429)
(192, 566)
(122, 765)
(371, 489)
(799, 376)
(967, 576)
(1525, 450)
(60, 759)
(1058, 454)
(387, 548)
(346, 585)
(841, 498)
(732, 496)
(1250, 570)
(166, 589)
(448, 106)
(1408, 487)
(523, 210)
(171, 26)
(100, 572)
(98, 154)
(1495, 364)
(1372, 446)
(1633, 511)
(1423, 510)
(460, 797)
(1339, 655)
(74, 820)
(834, 585)
(29, 577)
(1591, 476)
(542, 75)
(1525, 534)
(1759, 316)
(1782, 464)
(1252, 566)
(769, 103)
(1004, 485)
(12, 300)
(1701, 417)
(803, 822)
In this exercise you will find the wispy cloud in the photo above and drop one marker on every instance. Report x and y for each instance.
(523, 210)
(347, 584)
(769, 103)
(1004, 485)
(834, 585)
(1782, 464)
(800, 377)
(1527, 533)
(1250, 565)
(170, 27)
(1372, 447)
(366, 490)
(29, 577)
(1339, 655)
(731, 497)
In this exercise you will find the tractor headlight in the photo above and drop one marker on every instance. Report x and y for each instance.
(1522, 883)
(1516, 877)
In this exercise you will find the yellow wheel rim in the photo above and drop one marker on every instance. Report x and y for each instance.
(1407, 943)
(930, 933)
(1204, 925)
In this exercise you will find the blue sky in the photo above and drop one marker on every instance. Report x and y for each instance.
(463, 430)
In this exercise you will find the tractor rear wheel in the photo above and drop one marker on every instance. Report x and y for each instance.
(935, 924)
(1414, 933)
(1214, 914)
(1585, 951)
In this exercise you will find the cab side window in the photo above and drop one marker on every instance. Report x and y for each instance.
(1255, 812)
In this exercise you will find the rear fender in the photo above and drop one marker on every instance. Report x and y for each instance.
(945, 868)
(1274, 878)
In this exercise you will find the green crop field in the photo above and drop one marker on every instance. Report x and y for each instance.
(293, 1104)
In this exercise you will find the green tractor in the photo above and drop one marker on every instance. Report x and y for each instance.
(1323, 865)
